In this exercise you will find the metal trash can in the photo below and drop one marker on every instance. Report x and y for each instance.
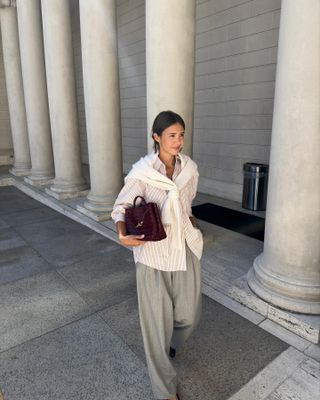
(255, 186)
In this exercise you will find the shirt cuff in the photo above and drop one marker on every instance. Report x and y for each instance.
(119, 217)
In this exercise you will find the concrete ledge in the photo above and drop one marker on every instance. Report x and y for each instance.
(305, 326)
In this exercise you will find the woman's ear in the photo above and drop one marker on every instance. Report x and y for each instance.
(156, 137)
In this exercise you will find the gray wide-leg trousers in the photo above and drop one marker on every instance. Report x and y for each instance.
(169, 309)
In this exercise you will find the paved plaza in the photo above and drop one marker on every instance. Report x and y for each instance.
(70, 330)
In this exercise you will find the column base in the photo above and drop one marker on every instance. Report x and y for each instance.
(95, 215)
(38, 180)
(97, 207)
(306, 326)
(63, 189)
(20, 171)
(67, 194)
(292, 296)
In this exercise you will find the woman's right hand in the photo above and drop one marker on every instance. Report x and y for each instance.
(131, 240)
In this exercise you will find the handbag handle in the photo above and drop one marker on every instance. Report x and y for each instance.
(136, 198)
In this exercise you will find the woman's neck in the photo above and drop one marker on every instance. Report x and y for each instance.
(167, 159)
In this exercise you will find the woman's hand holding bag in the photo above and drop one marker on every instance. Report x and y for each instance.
(144, 220)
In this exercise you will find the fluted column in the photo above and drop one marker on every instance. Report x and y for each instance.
(287, 273)
(102, 101)
(57, 34)
(13, 74)
(35, 91)
(170, 58)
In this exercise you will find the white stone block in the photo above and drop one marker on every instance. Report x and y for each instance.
(300, 385)
(305, 326)
(241, 292)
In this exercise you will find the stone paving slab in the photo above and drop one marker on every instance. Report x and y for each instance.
(313, 351)
(123, 319)
(10, 204)
(33, 306)
(235, 249)
(9, 239)
(61, 241)
(224, 353)
(10, 192)
(81, 361)
(105, 279)
(303, 384)
(21, 262)
(271, 377)
(3, 224)
(24, 217)
(44, 231)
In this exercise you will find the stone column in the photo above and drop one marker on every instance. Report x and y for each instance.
(57, 33)
(170, 58)
(35, 91)
(12, 67)
(287, 273)
(102, 101)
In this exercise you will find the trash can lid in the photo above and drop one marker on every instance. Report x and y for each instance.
(255, 167)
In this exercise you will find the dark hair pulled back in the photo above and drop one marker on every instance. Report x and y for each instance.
(162, 121)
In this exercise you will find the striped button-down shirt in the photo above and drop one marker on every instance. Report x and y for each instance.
(161, 255)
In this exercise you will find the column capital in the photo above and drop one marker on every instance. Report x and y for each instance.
(8, 3)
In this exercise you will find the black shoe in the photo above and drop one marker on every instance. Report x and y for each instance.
(172, 352)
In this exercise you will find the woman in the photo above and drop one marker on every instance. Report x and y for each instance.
(167, 271)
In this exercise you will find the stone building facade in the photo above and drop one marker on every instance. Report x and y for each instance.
(80, 83)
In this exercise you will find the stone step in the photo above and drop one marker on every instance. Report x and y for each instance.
(305, 326)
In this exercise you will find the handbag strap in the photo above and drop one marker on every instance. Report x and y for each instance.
(142, 200)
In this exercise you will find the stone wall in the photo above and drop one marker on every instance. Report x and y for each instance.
(76, 37)
(132, 69)
(236, 50)
(6, 149)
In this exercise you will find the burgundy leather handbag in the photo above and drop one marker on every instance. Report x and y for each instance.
(145, 220)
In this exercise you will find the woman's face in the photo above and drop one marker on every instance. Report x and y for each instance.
(171, 140)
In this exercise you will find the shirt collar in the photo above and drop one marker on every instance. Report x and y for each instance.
(159, 165)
